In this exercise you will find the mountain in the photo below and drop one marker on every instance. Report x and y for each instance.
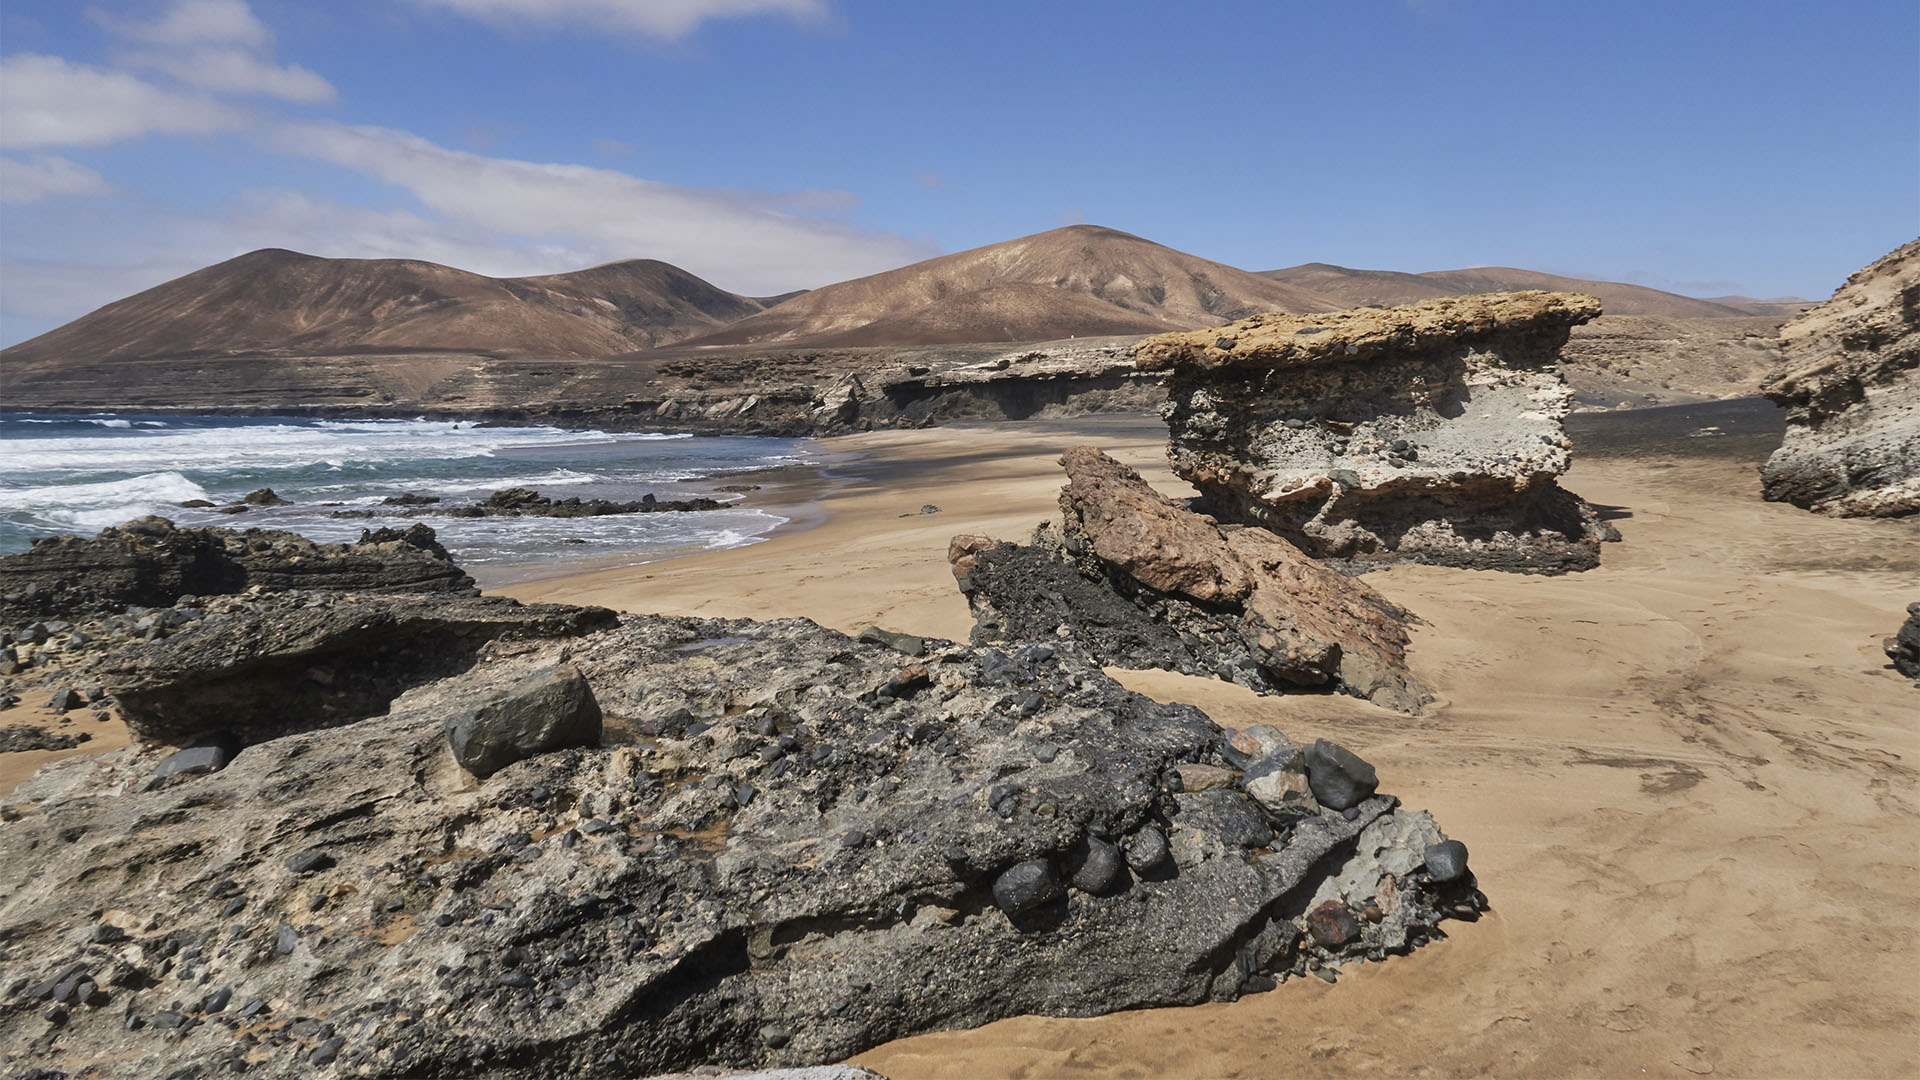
(286, 303)
(1356, 288)
(1081, 280)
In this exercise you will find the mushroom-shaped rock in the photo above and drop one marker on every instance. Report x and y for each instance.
(552, 709)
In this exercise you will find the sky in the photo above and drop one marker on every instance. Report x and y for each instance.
(1708, 147)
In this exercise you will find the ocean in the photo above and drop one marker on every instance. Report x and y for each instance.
(81, 473)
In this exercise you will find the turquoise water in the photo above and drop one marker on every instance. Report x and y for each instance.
(79, 474)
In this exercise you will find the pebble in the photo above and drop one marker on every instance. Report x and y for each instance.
(307, 862)
(284, 939)
(217, 1001)
(254, 1007)
(1025, 885)
(1099, 867)
(1146, 849)
(233, 907)
(853, 839)
(516, 978)
(744, 794)
(775, 1036)
(327, 1051)
(1446, 861)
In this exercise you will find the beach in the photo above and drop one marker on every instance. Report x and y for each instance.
(1687, 777)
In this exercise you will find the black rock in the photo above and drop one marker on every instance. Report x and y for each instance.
(853, 839)
(744, 794)
(107, 934)
(308, 862)
(1099, 865)
(66, 699)
(549, 710)
(217, 1001)
(1226, 813)
(1026, 885)
(1447, 861)
(1147, 850)
(327, 1051)
(517, 979)
(1339, 778)
(233, 907)
(168, 1019)
(254, 1007)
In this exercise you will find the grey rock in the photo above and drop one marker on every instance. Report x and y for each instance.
(1026, 885)
(1099, 866)
(1147, 850)
(207, 756)
(549, 710)
(910, 644)
(1339, 777)
(1446, 861)
(307, 862)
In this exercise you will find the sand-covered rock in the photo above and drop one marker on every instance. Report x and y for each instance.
(152, 563)
(792, 846)
(1849, 383)
(1140, 581)
(1425, 433)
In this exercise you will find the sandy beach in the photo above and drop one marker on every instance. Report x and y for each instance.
(1687, 777)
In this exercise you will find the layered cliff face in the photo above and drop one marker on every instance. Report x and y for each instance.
(1425, 433)
(1849, 383)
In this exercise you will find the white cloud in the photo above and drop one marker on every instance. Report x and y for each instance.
(46, 101)
(670, 19)
(749, 242)
(217, 45)
(42, 175)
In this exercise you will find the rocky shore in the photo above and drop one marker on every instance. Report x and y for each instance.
(482, 837)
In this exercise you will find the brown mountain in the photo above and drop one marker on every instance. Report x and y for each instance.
(286, 303)
(1356, 288)
(1078, 281)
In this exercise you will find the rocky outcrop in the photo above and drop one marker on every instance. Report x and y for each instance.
(1140, 581)
(151, 563)
(1426, 433)
(1904, 647)
(790, 847)
(1851, 388)
(258, 667)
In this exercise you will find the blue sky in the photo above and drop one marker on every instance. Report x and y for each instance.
(1731, 146)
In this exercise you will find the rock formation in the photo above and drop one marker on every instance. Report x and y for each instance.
(791, 846)
(151, 563)
(1425, 433)
(1137, 580)
(1849, 382)
(1904, 647)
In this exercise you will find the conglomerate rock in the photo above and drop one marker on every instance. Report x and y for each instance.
(1138, 580)
(791, 846)
(1425, 433)
(151, 563)
(1850, 381)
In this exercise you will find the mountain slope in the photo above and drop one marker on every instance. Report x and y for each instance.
(1356, 288)
(284, 302)
(1080, 280)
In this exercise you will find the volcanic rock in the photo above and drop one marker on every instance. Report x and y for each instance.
(1339, 777)
(1426, 433)
(693, 928)
(1904, 648)
(258, 668)
(548, 710)
(1851, 388)
(1140, 581)
(152, 563)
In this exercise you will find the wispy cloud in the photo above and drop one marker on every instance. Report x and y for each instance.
(39, 176)
(668, 19)
(216, 45)
(47, 101)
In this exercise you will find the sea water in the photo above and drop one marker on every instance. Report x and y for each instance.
(82, 473)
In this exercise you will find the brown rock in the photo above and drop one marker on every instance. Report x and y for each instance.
(1203, 777)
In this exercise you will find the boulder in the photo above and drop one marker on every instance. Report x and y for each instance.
(1140, 581)
(397, 914)
(151, 563)
(552, 709)
(1340, 779)
(1425, 433)
(1849, 378)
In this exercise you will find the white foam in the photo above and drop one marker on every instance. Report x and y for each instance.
(98, 505)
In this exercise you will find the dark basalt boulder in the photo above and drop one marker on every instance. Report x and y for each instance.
(547, 711)
(152, 563)
(620, 909)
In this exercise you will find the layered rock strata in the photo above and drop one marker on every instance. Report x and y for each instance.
(151, 563)
(1138, 580)
(790, 847)
(1850, 382)
(1426, 433)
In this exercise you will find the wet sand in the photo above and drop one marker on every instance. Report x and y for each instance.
(1688, 778)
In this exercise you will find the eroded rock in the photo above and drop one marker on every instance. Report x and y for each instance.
(1425, 433)
(371, 903)
(1849, 382)
(548, 710)
(1140, 581)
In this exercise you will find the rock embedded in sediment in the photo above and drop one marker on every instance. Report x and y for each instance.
(152, 563)
(1849, 378)
(1425, 433)
(549, 710)
(1140, 581)
(411, 920)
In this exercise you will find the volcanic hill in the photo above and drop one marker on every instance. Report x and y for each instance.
(1360, 288)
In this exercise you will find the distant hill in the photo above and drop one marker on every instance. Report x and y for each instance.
(1356, 288)
(283, 302)
(1080, 280)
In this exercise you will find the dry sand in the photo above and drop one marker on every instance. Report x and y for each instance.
(1687, 778)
